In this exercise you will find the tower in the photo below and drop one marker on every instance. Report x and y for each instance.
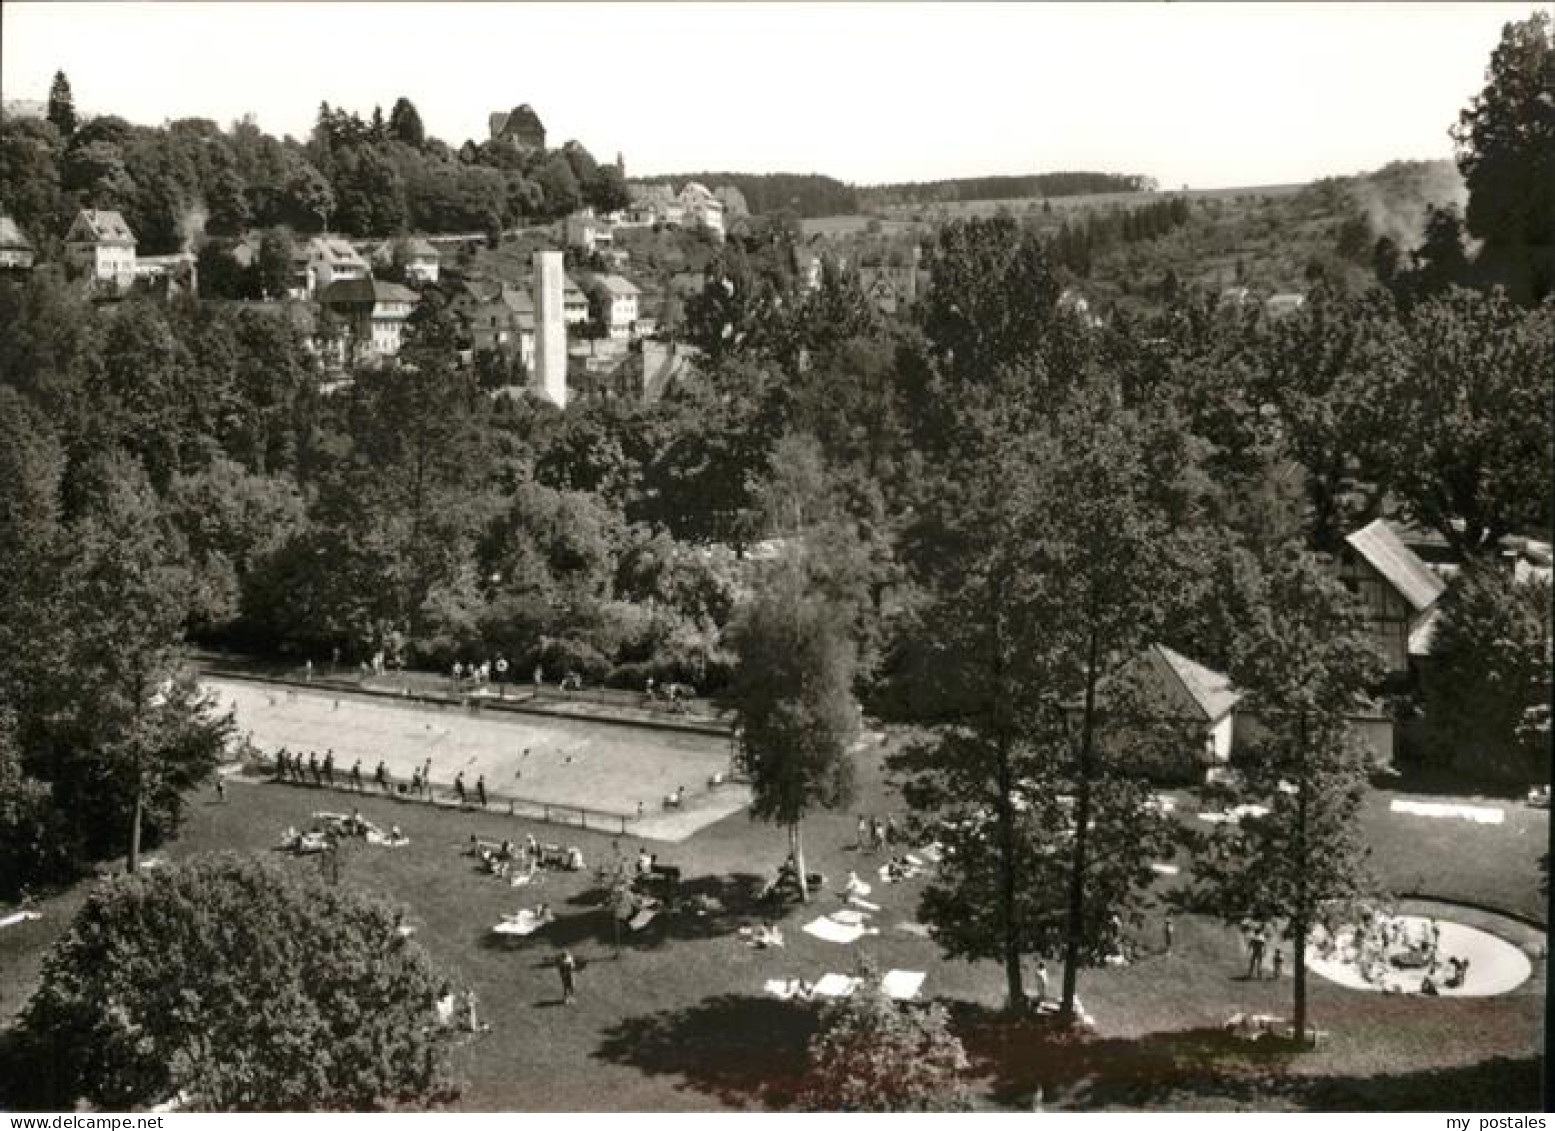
(550, 376)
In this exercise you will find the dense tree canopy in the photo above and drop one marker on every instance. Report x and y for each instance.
(284, 995)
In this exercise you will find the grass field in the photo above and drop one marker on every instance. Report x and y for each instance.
(678, 1020)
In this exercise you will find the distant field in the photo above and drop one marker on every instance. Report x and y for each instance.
(1095, 200)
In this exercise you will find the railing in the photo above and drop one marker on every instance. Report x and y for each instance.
(548, 812)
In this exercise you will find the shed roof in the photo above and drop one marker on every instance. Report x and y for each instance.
(1397, 563)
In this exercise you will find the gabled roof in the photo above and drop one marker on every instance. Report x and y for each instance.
(518, 300)
(356, 291)
(11, 236)
(1209, 690)
(617, 285)
(101, 226)
(1400, 566)
(335, 250)
(1173, 685)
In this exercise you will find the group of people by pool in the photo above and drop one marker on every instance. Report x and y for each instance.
(1382, 946)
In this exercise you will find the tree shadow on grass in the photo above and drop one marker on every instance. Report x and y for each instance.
(701, 907)
(747, 1051)
(1206, 1069)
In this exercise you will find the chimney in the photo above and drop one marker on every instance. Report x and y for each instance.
(550, 376)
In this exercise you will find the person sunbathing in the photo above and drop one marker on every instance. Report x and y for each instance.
(763, 936)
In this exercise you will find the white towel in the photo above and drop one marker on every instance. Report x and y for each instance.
(864, 904)
(849, 917)
(1477, 813)
(784, 988)
(903, 985)
(19, 917)
(526, 922)
(1164, 869)
(835, 985)
(833, 931)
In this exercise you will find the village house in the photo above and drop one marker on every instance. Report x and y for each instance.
(614, 305)
(330, 259)
(373, 314)
(422, 261)
(16, 252)
(1197, 723)
(893, 286)
(701, 209)
(101, 246)
(575, 303)
(504, 324)
(587, 231)
(1397, 590)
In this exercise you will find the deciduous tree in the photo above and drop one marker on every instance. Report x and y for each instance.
(235, 985)
(793, 699)
(1303, 666)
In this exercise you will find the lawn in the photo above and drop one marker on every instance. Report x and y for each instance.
(677, 1020)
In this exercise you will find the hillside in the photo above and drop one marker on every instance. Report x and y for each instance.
(804, 194)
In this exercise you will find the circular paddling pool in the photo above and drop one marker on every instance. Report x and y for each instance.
(1495, 965)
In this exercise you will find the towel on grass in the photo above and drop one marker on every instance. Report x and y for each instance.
(19, 917)
(1479, 814)
(835, 985)
(903, 985)
(526, 922)
(783, 988)
(862, 904)
(1165, 869)
(918, 929)
(833, 931)
(848, 917)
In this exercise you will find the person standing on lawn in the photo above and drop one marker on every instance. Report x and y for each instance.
(356, 775)
(1255, 949)
(567, 968)
(480, 790)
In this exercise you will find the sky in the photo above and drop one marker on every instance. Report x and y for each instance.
(1205, 95)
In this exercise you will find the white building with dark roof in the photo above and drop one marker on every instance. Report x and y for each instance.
(374, 313)
(331, 259)
(615, 300)
(100, 245)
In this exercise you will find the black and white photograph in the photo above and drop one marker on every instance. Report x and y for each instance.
(776, 557)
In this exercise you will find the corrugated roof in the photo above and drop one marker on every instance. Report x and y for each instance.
(1386, 553)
